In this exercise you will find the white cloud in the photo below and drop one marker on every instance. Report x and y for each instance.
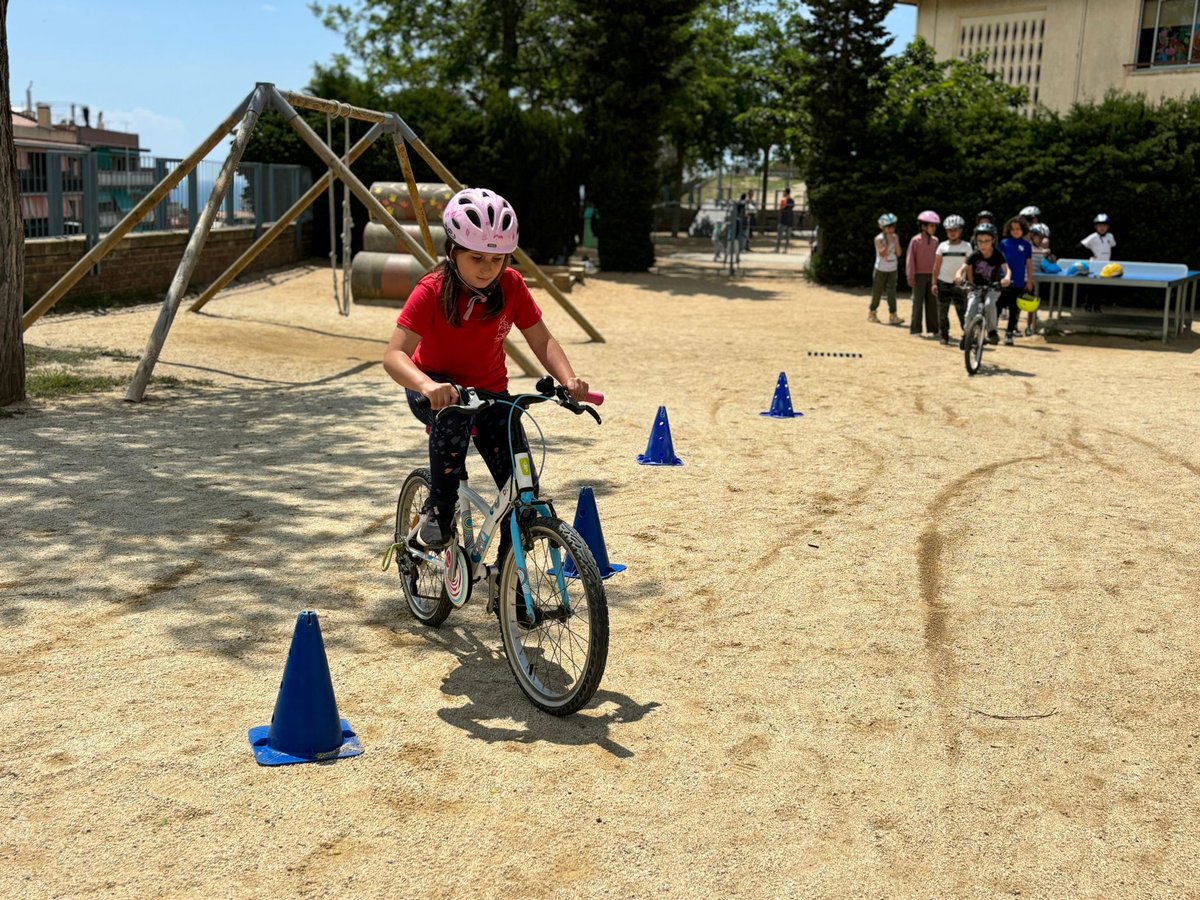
(162, 135)
(140, 119)
(267, 7)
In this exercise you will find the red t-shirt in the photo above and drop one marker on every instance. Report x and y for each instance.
(472, 354)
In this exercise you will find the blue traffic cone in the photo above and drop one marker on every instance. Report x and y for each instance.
(305, 726)
(660, 451)
(587, 523)
(781, 403)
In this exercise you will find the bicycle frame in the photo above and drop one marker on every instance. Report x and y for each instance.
(517, 494)
(991, 294)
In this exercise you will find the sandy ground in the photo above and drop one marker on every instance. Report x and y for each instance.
(937, 637)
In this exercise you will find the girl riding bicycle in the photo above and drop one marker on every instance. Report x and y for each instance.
(451, 331)
(986, 266)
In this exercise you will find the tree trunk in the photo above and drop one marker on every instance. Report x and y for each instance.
(766, 176)
(677, 189)
(12, 242)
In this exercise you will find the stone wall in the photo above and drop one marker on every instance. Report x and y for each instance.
(142, 265)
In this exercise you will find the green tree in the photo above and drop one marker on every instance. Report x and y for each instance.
(12, 242)
(964, 126)
(844, 71)
(475, 48)
(769, 73)
(631, 54)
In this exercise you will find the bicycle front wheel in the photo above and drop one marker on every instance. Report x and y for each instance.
(973, 345)
(559, 653)
(421, 582)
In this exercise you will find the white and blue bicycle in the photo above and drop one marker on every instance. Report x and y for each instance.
(982, 321)
(546, 592)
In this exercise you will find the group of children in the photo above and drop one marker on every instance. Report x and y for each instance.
(942, 272)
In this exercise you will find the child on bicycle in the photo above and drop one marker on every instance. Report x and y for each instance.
(452, 331)
(986, 267)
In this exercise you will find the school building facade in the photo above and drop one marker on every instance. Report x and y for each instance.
(1073, 51)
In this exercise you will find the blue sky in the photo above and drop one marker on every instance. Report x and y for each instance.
(171, 71)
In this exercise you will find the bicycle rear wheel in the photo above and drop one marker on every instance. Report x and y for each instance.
(558, 657)
(973, 345)
(421, 582)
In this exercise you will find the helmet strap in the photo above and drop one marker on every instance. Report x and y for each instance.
(476, 295)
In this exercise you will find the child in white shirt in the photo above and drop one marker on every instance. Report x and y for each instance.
(1100, 244)
(887, 256)
(947, 285)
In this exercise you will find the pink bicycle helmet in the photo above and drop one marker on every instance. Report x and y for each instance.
(930, 216)
(481, 221)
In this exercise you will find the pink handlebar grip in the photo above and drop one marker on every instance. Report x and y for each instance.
(595, 398)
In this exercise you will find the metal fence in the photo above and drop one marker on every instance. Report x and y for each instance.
(88, 191)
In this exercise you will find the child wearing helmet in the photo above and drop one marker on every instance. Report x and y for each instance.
(947, 282)
(451, 331)
(1100, 245)
(887, 256)
(1018, 253)
(1039, 237)
(918, 267)
(986, 266)
(983, 217)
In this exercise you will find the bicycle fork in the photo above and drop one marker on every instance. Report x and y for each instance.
(523, 473)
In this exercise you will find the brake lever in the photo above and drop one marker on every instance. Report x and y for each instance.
(467, 399)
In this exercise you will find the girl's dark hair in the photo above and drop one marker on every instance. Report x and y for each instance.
(452, 284)
(1022, 221)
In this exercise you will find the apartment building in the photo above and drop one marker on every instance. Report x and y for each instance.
(52, 143)
(1073, 51)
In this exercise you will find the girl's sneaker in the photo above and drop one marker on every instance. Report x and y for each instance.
(894, 319)
(872, 316)
(1008, 339)
(437, 528)
(944, 339)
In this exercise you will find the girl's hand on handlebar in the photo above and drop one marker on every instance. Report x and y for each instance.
(1005, 281)
(577, 387)
(441, 395)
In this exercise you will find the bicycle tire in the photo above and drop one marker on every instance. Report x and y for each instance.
(973, 345)
(559, 660)
(421, 583)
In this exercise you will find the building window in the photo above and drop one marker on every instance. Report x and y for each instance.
(1013, 47)
(1168, 36)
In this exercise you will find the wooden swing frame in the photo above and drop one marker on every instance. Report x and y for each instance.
(243, 120)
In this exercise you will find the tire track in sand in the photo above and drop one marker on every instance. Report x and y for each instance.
(933, 543)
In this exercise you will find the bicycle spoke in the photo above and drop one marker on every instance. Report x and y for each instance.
(559, 660)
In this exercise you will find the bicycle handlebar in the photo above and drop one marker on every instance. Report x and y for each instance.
(475, 400)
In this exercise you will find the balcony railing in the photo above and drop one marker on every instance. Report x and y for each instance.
(70, 192)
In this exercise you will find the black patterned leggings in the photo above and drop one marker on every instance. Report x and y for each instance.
(450, 436)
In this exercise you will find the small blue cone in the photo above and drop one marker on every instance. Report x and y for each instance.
(781, 403)
(305, 726)
(587, 523)
(660, 451)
